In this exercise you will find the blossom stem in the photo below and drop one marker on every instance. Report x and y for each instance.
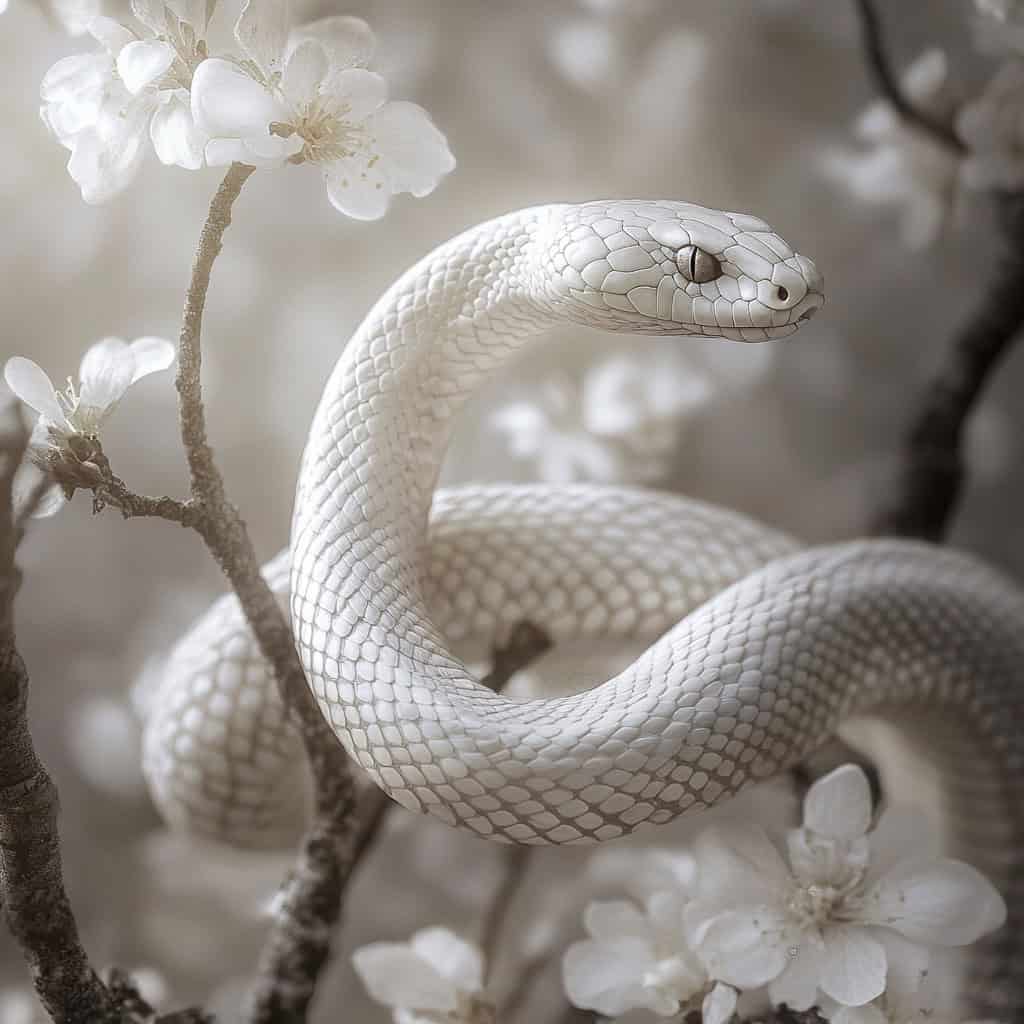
(32, 892)
(515, 865)
(888, 85)
(206, 482)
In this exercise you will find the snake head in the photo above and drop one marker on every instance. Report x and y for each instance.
(665, 267)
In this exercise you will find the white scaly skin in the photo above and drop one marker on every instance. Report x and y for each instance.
(749, 681)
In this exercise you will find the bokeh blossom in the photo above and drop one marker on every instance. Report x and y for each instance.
(641, 959)
(899, 165)
(308, 97)
(434, 977)
(620, 424)
(993, 128)
(848, 916)
(70, 419)
(104, 106)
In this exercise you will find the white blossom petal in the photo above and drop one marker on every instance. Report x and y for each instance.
(852, 965)
(356, 190)
(607, 976)
(362, 91)
(902, 833)
(30, 382)
(415, 150)
(106, 373)
(869, 1014)
(615, 919)
(71, 77)
(142, 62)
(110, 34)
(304, 71)
(745, 947)
(152, 14)
(736, 864)
(30, 484)
(906, 965)
(941, 902)
(228, 104)
(107, 156)
(817, 860)
(262, 31)
(838, 805)
(174, 135)
(719, 1005)
(395, 976)
(151, 355)
(797, 985)
(452, 957)
(349, 41)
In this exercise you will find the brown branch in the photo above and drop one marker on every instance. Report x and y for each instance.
(887, 83)
(933, 471)
(32, 893)
(32, 890)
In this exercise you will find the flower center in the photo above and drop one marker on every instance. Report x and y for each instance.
(325, 135)
(814, 905)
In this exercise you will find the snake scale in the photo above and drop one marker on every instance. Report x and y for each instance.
(759, 650)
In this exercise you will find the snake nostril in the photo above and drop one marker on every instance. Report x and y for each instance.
(783, 293)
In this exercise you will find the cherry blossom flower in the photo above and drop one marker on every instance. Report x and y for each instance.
(642, 960)
(850, 914)
(620, 424)
(70, 420)
(309, 98)
(900, 165)
(434, 978)
(1000, 10)
(102, 105)
(992, 128)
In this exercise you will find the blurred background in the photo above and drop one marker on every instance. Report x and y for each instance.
(749, 105)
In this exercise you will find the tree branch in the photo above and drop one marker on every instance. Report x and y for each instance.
(887, 82)
(32, 892)
(933, 471)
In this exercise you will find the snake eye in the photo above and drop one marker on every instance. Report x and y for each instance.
(697, 265)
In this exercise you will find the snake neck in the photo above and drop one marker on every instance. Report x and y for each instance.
(385, 419)
(421, 352)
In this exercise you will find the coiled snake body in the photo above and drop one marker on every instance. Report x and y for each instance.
(760, 650)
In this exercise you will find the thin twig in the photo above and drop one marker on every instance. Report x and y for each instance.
(516, 863)
(887, 83)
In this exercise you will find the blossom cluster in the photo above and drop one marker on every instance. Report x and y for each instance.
(899, 164)
(845, 915)
(65, 440)
(262, 95)
(619, 424)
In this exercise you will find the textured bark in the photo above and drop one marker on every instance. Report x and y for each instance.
(933, 473)
(32, 892)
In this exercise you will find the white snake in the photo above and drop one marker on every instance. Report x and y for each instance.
(763, 652)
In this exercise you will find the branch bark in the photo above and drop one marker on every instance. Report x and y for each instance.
(933, 473)
(32, 892)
